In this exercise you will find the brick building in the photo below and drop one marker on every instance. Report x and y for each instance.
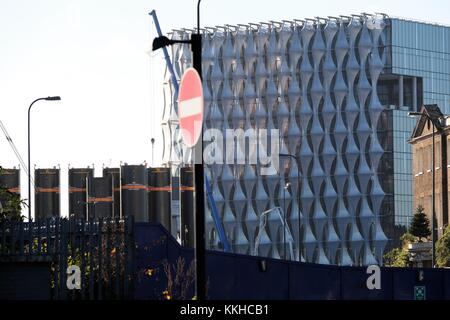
(422, 146)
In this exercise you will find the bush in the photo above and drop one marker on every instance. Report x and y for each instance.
(443, 249)
(399, 257)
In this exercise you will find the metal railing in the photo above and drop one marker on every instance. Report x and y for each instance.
(102, 249)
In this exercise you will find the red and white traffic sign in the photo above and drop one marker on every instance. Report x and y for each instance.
(190, 107)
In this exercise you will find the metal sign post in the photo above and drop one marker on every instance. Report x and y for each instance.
(190, 112)
(196, 47)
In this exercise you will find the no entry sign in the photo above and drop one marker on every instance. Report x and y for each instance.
(190, 107)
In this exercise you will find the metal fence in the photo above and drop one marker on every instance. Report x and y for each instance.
(244, 277)
(103, 249)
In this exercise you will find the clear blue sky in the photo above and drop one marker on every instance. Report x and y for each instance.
(95, 55)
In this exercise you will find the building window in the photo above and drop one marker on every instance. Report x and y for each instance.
(418, 157)
(388, 91)
(407, 92)
(415, 162)
(437, 160)
(448, 151)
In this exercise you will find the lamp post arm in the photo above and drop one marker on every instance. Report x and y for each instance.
(29, 161)
(50, 98)
(29, 108)
(29, 111)
(198, 16)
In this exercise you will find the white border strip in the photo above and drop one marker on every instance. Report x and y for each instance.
(190, 107)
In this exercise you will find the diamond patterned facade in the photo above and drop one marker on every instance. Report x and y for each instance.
(316, 82)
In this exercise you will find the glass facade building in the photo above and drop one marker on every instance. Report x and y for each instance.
(422, 50)
(339, 91)
(417, 64)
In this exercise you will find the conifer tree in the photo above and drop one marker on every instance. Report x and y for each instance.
(420, 225)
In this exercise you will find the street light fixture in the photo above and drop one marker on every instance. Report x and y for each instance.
(297, 160)
(196, 48)
(433, 168)
(287, 185)
(52, 98)
(163, 41)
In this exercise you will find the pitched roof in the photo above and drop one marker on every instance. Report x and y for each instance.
(434, 113)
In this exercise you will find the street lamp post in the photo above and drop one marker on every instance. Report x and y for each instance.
(196, 48)
(286, 186)
(298, 190)
(54, 98)
(284, 222)
(153, 149)
(433, 169)
(433, 210)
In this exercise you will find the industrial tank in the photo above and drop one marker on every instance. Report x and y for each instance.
(134, 192)
(77, 191)
(114, 173)
(187, 207)
(159, 190)
(47, 193)
(100, 197)
(10, 179)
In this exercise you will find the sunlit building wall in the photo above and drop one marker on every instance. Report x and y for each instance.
(338, 90)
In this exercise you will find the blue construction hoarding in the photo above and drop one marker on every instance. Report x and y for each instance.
(232, 276)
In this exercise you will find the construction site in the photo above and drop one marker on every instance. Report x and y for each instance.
(339, 96)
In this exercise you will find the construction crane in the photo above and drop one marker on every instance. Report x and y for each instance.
(16, 152)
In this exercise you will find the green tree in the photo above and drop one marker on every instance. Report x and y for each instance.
(10, 204)
(420, 225)
(399, 257)
(443, 249)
